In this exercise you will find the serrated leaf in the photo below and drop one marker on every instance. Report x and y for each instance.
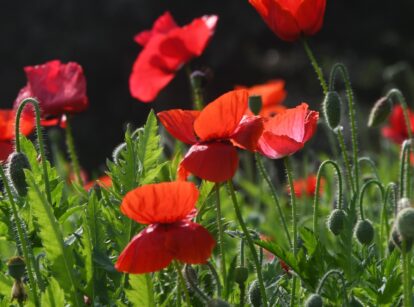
(140, 292)
(53, 295)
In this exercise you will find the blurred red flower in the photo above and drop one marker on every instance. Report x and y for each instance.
(396, 130)
(289, 19)
(287, 132)
(167, 47)
(104, 181)
(167, 208)
(272, 92)
(306, 186)
(6, 148)
(60, 89)
(214, 134)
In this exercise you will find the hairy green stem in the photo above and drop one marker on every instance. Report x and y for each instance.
(177, 267)
(406, 272)
(70, 143)
(193, 284)
(348, 169)
(36, 107)
(249, 243)
(341, 277)
(405, 169)
(220, 235)
(362, 192)
(315, 65)
(196, 91)
(215, 276)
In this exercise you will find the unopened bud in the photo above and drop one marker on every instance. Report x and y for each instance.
(405, 223)
(255, 104)
(16, 267)
(17, 162)
(331, 108)
(255, 296)
(241, 274)
(379, 112)
(198, 79)
(364, 232)
(18, 291)
(216, 302)
(396, 240)
(403, 203)
(336, 221)
(315, 300)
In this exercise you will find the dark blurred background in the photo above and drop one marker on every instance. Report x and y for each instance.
(373, 38)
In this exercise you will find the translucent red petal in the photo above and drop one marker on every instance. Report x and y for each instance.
(180, 124)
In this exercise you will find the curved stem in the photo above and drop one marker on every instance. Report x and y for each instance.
(341, 277)
(348, 170)
(177, 267)
(216, 277)
(249, 243)
(316, 196)
(196, 91)
(220, 235)
(362, 192)
(22, 238)
(396, 93)
(405, 168)
(391, 188)
(351, 109)
(72, 151)
(371, 163)
(315, 65)
(266, 177)
(193, 284)
(35, 105)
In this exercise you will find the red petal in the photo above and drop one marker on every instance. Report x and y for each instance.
(310, 15)
(220, 118)
(216, 162)
(272, 92)
(162, 25)
(277, 146)
(180, 124)
(190, 243)
(6, 148)
(165, 202)
(396, 129)
(311, 123)
(146, 252)
(248, 132)
(7, 124)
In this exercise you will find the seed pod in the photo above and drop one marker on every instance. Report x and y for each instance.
(255, 104)
(364, 232)
(216, 302)
(405, 223)
(16, 267)
(17, 162)
(336, 221)
(315, 300)
(241, 274)
(18, 291)
(255, 297)
(379, 112)
(331, 108)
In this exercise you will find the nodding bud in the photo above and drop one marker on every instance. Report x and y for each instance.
(255, 104)
(216, 302)
(18, 291)
(336, 221)
(354, 302)
(16, 267)
(396, 240)
(17, 162)
(364, 232)
(117, 151)
(199, 79)
(315, 300)
(331, 108)
(190, 274)
(255, 297)
(241, 274)
(403, 203)
(379, 112)
(405, 223)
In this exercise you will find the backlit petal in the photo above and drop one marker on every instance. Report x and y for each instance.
(180, 124)
(7, 124)
(162, 25)
(310, 15)
(165, 202)
(248, 132)
(277, 146)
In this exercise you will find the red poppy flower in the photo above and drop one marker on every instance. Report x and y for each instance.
(167, 208)
(273, 93)
(287, 132)
(214, 134)
(6, 148)
(60, 89)
(306, 186)
(289, 19)
(167, 47)
(396, 130)
(103, 181)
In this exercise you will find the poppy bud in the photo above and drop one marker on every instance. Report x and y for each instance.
(216, 302)
(336, 221)
(17, 162)
(405, 223)
(18, 291)
(315, 300)
(396, 240)
(16, 267)
(364, 232)
(331, 108)
(379, 112)
(241, 274)
(255, 104)
(191, 274)
(198, 79)
(403, 203)
(354, 302)
(117, 151)
(255, 296)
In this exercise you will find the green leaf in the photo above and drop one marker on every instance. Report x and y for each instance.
(54, 295)
(141, 291)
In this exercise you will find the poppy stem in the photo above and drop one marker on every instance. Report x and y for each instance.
(348, 169)
(220, 235)
(35, 103)
(315, 65)
(266, 177)
(316, 196)
(22, 239)
(72, 151)
(341, 277)
(177, 267)
(362, 192)
(405, 169)
(249, 243)
(196, 91)
(406, 272)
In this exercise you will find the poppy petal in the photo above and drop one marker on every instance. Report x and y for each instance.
(216, 162)
(277, 146)
(272, 92)
(166, 202)
(311, 123)
(6, 148)
(180, 124)
(146, 252)
(310, 15)
(248, 132)
(7, 124)
(162, 25)
(190, 242)
(220, 118)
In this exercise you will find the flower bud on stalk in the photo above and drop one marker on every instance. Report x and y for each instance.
(315, 300)
(17, 162)
(336, 221)
(405, 223)
(331, 108)
(396, 240)
(254, 294)
(17, 267)
(216, 302)
(199, 79)
(255, 104)
(241, 274)
(403, 203)
(364, 232)
(379, 112)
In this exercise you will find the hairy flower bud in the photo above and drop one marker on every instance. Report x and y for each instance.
(16, 267)
(396, 240)
(379, 112)
(255, 297)
(216, 302)
(241, 274)
(255, 104)
(336, 221)
(315, 300)
(364, 232)
(403, 203)
(199, 79)
(17, 162)
(405, 223)
(331, 108)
